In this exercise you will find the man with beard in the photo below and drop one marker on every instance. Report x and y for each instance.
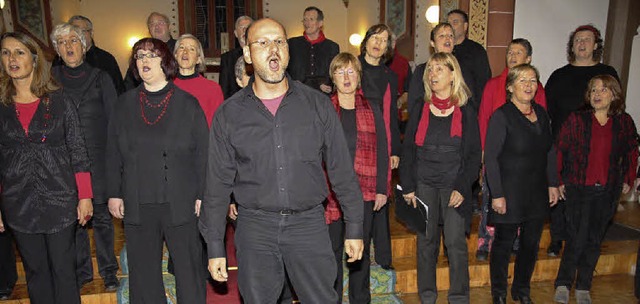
(272, 159)
(312, 53)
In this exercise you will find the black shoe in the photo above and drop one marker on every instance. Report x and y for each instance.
(5, 294)
(499, 300)
(554, 249)
(482, 255)
(111, 284)
(523, 300)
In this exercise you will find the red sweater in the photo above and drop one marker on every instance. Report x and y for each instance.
(25, 112)
(494, 96)
(208, 93)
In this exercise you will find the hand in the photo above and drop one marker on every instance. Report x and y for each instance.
(456, 199)
(554, 196)
(233, 211)
(410, 198)
(354, 249)
(394, 161)
(381, 200)
(116, 207)
(1, 223)
(218, 269)
(85, 211)
(197, 207)
(625, 188)
(326, 88)
(563, 192)
(499, 205)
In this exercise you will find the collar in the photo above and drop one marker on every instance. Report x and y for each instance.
(320, 38)
(185, 77)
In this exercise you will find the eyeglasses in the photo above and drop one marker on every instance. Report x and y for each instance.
(381, 40)
(341, 72)
(141, 56)
(265, 43)
(152, 24)
(72, 41)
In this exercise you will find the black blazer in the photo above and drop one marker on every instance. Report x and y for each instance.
(131, 163)
(39, 192)
(227, 77)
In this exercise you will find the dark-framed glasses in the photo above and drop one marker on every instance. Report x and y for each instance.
(265, 43)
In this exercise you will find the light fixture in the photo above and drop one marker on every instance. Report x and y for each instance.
(132, 41)
(433, 14)
(355, 39)
(1, 4)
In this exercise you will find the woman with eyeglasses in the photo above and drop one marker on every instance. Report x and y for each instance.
(156, 157)
(367, 141)
(44, 167)
(94, 95)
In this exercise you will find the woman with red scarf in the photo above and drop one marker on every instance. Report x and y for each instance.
(364, 131)
(439, 163)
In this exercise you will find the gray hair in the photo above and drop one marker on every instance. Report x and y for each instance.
(240, 19)
(200, 67)
(81, 18)
(240, 69)
(163, 16)
(65, 29)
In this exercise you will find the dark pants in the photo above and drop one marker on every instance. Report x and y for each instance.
(8, 273)
(336, 234)
(267, 242)
(428, 247)
(360, 271)
(144, 254)
(50, 265)
(588, 212)
(530, 232)
(103, 237)
(485, 232)
(381, 235)
(558, 225)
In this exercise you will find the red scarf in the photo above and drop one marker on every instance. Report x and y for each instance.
(441, 104)
(317, 40)
(365, 161)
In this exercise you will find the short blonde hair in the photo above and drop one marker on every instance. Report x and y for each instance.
(460, 92)
(200, 67)
(342, 60)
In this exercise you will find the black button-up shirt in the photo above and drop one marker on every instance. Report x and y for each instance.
(275, 163)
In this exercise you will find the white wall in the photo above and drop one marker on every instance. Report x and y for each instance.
(633, 90)
(548, 23)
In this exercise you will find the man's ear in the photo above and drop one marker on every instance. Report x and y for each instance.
(246, 52)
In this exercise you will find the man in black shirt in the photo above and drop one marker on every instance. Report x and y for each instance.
(272, 159)
(312, 53)
(471, 56)
(228, 60)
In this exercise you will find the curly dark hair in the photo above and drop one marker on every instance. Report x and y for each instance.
(597, 53)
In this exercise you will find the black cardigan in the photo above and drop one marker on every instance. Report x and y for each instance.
(469, 168)
(39, 192)
(181, 163)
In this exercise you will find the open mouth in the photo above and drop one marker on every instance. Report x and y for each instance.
(146, 69)
(274, 64)
(13, 68)
(70, 53)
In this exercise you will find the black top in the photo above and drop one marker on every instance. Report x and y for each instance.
(520, 162)
(348, 119)
(310, 63)
(375, 80)
(161, 163)
(275, 163)
(566, 88)
(438, 160)
(94, 97)
(103, 60)
(227, 77)
(476, 70)
(39, 191)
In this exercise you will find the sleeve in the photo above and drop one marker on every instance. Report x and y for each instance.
(114, 159)
(74, 138)
(393, 113)
(416, 88)
(541, 97)
(552, 157)
(130, 81)
(563, 141)
(227, 75)
(407, 80)
(83, 182)
(335, 50)
(551, 95)
(109, 94)
(116, 77)
(406, 169)
(472, 152)
(632, 150)
(496, 136)
(341, 174)
(484, 74)
(200, 133)
(485, 111)
(382, 158)
(220, 174)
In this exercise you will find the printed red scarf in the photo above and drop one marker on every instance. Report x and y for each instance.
(441, 104)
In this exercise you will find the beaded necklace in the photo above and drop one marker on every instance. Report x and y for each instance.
(164, 104)
(47, 118)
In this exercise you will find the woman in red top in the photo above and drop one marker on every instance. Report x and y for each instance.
(597, 159)
(44, 166)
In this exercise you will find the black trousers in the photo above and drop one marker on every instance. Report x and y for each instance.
(428, 247)
(505, 234)
(50, 264)
(336, 234)
(267, 242)
(8, 273)
(360, 271)
(144, 254)
(381, 234)
(103, 237)
(588, 212)
(558, 225)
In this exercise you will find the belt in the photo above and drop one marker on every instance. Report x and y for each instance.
(288, 212)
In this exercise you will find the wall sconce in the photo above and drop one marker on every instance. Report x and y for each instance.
(433, 14)
(1, 4)
(132, 41)
(355, 39)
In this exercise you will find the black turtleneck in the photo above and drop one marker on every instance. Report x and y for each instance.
(74, 78)
(185, 77)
